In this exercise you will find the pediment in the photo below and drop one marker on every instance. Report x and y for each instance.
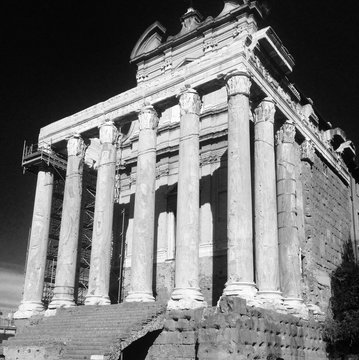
(184, 62)
(149, 40)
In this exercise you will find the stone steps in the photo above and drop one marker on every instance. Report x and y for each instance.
(84, 331)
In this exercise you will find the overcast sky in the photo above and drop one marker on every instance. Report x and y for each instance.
(59, 57)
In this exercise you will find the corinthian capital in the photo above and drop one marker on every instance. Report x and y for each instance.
(265, 111)
(148, 118)
(190, 102)
(75, 146)
(286, 133)
(108, 132)
(238, 82)
(307, 151)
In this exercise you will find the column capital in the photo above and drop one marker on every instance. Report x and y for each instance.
(307, 151)
(286, 133)
(238, 82)
(108, 132)
(265, 111)
(190, 102)
(148, 118)
(75, 146)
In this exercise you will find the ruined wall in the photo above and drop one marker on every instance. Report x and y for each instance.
(236, 331)
(327, 222)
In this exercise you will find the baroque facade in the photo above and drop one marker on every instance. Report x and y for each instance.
(213, 176)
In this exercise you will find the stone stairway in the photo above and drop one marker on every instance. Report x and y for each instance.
(78, 333)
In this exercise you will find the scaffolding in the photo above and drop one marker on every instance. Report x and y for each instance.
(35, 157)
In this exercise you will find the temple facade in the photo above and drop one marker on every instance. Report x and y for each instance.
(215, 176)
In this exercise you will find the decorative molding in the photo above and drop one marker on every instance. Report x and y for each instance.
(108, 132)
(148, 118)
(76, 146)
(265, 111)
(307, 151)
(286, 133)
(190, 102)
(238, 82)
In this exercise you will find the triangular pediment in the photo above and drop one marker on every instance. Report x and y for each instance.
(184, 62)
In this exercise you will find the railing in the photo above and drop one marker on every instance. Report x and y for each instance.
(36, 154)
(7, 323)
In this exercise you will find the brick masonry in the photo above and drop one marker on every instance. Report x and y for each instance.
(235, 331)
(327, 221)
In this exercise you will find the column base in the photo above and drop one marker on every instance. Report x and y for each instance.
(137, 296)
(245, 290)
(97, 300)
(61, 302)
(296, 307)
(186, 298)
(28, 309)
(271, 300)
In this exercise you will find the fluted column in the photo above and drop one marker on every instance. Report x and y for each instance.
(144, 212)
(37, 249)
(187, 294)
(266, 228)
(99, 277)
(239, 219)
(70, 227)
(288, 237)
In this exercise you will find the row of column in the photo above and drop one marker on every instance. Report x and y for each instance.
(276, 234)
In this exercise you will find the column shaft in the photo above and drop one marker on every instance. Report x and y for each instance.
(144, 213)
(266, 230)
(37, 249)
(187, 293)
(240, 223)
(288, 237)
(70, 227)
(100, 263)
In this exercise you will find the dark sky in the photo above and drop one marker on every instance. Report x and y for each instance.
(61, 56)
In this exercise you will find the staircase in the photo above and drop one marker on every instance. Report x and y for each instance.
(78, 333)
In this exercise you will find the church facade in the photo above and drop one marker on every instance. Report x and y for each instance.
(214, 177)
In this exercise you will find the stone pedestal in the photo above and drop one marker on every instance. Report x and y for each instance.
(266, 227)
(99, 277)
(70, 226)
(31, 303)
(144, 213)
(187, 294)
(239, 224)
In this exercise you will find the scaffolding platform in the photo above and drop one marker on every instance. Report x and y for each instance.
(36, 155)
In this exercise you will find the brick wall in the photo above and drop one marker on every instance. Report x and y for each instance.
(327, 221)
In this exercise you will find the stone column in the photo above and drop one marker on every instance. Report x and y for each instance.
(37, 249)
(239, 216)
(288, 237)
(144, 214)
(187, 294)
(70, 227)
(99, 277)
(266, 226)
